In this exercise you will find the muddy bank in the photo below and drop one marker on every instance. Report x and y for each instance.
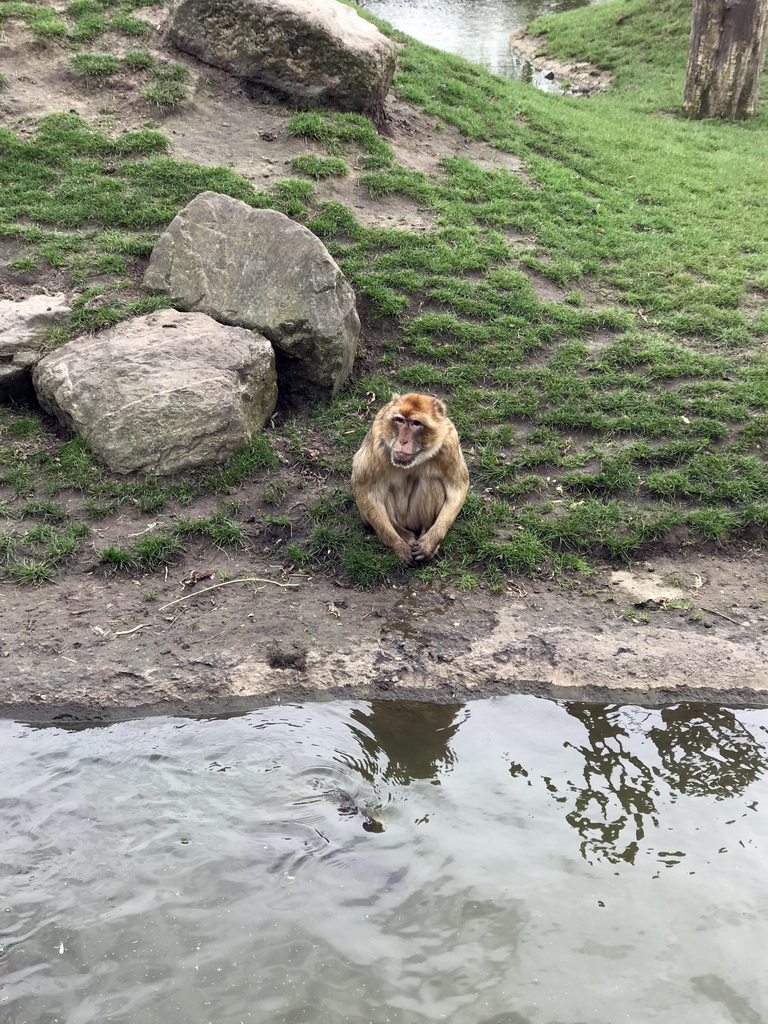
(95, 650)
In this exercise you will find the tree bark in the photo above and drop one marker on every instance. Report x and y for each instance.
(726, 58)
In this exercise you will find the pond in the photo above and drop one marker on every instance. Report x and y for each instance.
(508, 861)
(476, 29)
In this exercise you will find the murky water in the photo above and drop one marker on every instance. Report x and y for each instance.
(476, 29)
(514, 861)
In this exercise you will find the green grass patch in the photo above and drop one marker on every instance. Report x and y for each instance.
(148, 554)
(128, 24)
(139, 60)
(43, 21)
(340, 132)
(320, 166)
(95, 65)
(168, 87)
(220, 528)
(28, 571)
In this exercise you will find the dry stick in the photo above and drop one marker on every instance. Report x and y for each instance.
(226, 583)
(713, 611)
(127, 632)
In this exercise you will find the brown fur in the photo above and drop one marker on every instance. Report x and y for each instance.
(409, 476)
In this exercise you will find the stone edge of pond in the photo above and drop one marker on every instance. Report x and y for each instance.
(650, 666)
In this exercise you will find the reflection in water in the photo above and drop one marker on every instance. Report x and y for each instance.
(411, 739)
(478, 30)
(707, 751)
(703, 750)
(616, 802)
(179, 872)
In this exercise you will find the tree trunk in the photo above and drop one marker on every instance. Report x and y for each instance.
(725, 62)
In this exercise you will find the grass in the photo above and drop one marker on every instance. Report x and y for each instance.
(320, 167)
(631, 409)
(148, 554)
(168, 87)
(339, 133)
(221, 529)
(96, 65)
(139, 60)
(80, 22)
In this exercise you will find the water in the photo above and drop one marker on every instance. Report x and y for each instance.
(476, 29)
(540, 863)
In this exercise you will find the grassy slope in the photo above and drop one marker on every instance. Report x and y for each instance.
(656, 225)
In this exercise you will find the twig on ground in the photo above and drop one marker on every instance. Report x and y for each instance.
(226, 583)
(713, 611)
(127, 632)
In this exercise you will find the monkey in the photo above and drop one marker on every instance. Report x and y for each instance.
(409, 477)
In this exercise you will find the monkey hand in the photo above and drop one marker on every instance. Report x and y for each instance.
(404, 551)
(424, 548)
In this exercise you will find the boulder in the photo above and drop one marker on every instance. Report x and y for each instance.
(261, 270)
(163, 393)
(24, 329)
(316, 52)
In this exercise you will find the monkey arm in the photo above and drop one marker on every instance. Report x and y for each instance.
(425, 547)
(369, 485)
(451, 469)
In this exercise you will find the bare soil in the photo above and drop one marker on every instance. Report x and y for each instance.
(97, 647)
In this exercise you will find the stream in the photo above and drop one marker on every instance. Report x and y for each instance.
(478, 30)
(508, 861)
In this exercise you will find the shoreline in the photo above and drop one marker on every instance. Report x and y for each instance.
(393, 644)
(586, 78)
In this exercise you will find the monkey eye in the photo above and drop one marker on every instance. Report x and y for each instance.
(416, 423)
(398, 419)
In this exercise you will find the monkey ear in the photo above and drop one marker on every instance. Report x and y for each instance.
(438, 408)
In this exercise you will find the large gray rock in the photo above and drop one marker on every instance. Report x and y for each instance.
(261, 270)
(314, 51)
(163, 393)
(24, 329)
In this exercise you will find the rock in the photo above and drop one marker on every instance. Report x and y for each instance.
(315, 51)
(24, 329)
(261, 270)
(163, 393)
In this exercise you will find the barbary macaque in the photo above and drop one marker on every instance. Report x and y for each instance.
(409, 476)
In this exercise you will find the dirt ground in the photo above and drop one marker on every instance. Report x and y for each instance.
(95, 647)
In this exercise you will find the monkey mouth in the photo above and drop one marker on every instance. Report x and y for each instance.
(402, 463)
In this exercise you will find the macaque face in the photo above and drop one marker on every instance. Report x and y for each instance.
(412, 424)
(406, 440)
